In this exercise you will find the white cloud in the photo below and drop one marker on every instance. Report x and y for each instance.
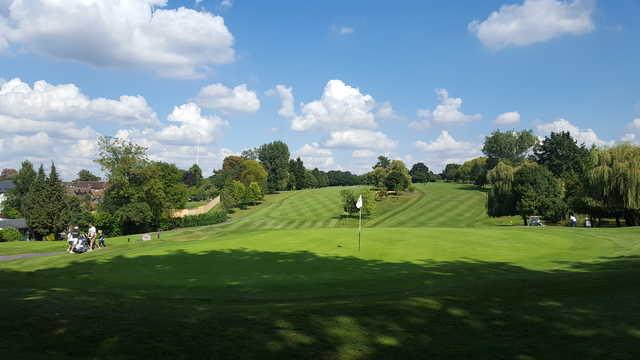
(534, 21)
(341, 106)
(445, 149)
(180, 42)
(47, 102)
(314, 156)
(363, 153)
(447, 111)
(286, 98)
(586, 136)
(193, 127)
(226, 4)
(385, 111)
(360, 139)
(511, 117)
(220, 97)
(635, 124)
(629, 137)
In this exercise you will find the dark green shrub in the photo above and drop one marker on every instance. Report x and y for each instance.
(10, 234)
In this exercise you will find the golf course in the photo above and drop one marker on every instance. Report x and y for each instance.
(435, 278)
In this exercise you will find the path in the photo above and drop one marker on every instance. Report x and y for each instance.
(197, 211)
(26, 256)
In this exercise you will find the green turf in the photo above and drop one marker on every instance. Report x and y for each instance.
(433, 286)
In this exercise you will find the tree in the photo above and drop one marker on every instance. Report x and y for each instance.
(86, 175)
(397, 177)
(57, 207)
(350, 197)
(501, 201)
(299, 174)
(275, 158)
(193, 176)
(561, 154)
(383, 162)
(420, 173)
(538, 192)
(254, 193)
(474, 170)
(614, 182)
(234, 194)
(511, 146)
(321, 177)
(23, 181)
(252, 171)
(46, 208)
(136, 184)
(35, 205)
(450, 172)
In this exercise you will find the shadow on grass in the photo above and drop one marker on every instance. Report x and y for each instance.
(249, 304)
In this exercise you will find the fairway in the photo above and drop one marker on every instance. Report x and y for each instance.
(436, 278)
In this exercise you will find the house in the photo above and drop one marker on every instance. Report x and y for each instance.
(5, 187)
(95, 189)
(18, 224)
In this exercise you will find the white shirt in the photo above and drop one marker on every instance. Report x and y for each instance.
(70, 237)
(92, 231)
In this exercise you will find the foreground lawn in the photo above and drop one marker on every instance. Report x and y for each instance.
(512, 293)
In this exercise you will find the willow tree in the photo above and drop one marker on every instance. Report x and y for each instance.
(614, 182)
(501, 201)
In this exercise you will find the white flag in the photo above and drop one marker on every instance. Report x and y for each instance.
(359, 202)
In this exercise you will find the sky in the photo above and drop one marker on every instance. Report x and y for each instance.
(340, 82)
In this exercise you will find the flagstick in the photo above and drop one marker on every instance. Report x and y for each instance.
(359, 228)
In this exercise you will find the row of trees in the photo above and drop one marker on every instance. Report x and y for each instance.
(556, 176)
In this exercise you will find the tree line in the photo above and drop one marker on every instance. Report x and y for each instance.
(554, 177)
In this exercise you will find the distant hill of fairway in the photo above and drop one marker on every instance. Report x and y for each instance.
(431, 205)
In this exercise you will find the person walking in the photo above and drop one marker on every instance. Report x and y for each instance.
(573, 220)
(101, 239)
(70, 240)
(92, 237)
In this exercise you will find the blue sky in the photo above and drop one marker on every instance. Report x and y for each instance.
(417, 80)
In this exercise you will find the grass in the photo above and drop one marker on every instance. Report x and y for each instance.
(271, 284)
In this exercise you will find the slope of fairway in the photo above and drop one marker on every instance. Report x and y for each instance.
(432, 205)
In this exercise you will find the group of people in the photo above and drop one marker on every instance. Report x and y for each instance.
(79, 243)
(573, 221)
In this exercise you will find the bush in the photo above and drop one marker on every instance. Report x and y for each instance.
(349, 199)
(109, 224)
(210, 218)
(10, 234)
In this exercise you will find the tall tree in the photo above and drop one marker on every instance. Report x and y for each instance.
(501, 201)
(36, 204)
(450, 172)
(275, 158)
(420, 173)
(193, 176)
(538, 192)
(86, 175)
(614, 182)
(57, 206)
(511, 146)
(383, 162)
(23, 181)
(561, 154)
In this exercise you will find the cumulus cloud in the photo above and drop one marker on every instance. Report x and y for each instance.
(629, 137)
(445, 149)
(385, 111)
(182, 42)
(511, 117)
(191, 127)
(582, 136)
(360, 139)
(220, 97)
(47, 102)
(340, 107)
(534, 21)
(285, 94)
(315, 156)
(448, 111)
(635, 124)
